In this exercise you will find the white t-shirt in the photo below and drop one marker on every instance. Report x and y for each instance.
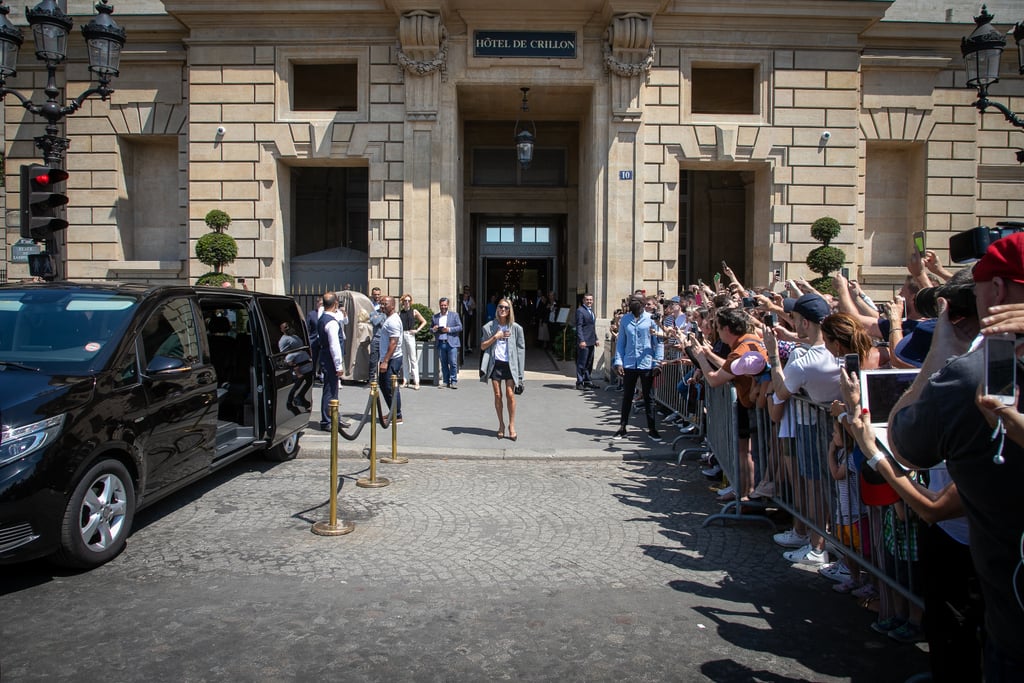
(815, 370)
(501, 346)
(392, 329)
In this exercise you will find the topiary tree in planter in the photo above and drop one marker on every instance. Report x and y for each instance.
(425, 334)
(826, 259)
(216, 249)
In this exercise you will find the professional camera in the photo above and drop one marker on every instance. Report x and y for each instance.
(960, 297)
(972, 244)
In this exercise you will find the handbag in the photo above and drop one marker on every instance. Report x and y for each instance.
(519, 389)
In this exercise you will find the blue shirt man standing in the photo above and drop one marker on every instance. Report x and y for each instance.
(638, 353)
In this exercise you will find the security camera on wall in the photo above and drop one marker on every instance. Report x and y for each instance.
(221, 130)
(826, 136)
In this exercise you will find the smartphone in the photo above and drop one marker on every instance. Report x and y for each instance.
(241, 279)
(919, 242)
(748, 302)
(852, 363)
(724, 265)
(845, 272)
(1001, 367)
(778, 274)
(718, 279)
(770, 320)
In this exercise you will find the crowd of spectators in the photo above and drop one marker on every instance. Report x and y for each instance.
(955, 460)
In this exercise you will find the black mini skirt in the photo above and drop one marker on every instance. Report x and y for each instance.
(501, 370)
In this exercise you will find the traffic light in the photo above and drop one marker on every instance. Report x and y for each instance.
(42, 201)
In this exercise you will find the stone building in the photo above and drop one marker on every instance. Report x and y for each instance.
(371, 142)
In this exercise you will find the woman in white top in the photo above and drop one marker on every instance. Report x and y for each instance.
(503, 362)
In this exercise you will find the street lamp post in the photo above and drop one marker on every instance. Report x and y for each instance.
(982, 51)
(50, 26)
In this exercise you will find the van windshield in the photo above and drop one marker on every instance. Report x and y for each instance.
(59, 331)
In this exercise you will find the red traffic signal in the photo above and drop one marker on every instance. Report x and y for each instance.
(42, 201)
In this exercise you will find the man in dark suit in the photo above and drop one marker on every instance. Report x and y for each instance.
(446, 327)
(586, 342)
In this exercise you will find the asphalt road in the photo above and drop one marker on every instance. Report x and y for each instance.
(460, 570)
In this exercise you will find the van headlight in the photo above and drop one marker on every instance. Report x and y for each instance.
(17, 442)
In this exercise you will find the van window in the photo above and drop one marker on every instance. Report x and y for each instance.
(61, 331)
(171, 332)
(281, 315)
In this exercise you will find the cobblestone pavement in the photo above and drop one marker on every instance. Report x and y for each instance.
(460, 570)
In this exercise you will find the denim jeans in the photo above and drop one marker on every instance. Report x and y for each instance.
(449, 362)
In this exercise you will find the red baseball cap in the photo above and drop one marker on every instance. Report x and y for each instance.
(1004, 258)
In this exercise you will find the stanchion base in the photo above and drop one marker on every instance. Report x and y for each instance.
(377, 483)
(397, 460)
(328, 529)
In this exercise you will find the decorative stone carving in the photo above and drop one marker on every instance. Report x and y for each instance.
(629, 55)
(423, 54)
(628, 35)
(423, 47)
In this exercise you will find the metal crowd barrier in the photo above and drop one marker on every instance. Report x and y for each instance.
(833, 507)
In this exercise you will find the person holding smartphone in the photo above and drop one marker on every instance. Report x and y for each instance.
(937, 419)
(503, 363)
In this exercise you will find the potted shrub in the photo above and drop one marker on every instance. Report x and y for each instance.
(216, 249)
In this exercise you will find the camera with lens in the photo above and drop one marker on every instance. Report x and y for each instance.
(972, 244)
(960, 297)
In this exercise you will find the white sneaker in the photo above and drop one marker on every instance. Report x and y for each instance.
(790, 539)
(724, 492)
(806, 555)
(835, 571)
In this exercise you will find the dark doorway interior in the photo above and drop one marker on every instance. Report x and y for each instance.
(332, 209)
(714, 204)
(520, 279)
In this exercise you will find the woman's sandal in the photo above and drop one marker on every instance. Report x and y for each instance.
(512, 436)
(501, 433)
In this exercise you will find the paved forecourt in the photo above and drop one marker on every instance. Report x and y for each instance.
(553, 420)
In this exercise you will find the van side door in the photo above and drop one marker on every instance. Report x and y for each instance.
(181, 395)
(280, 317)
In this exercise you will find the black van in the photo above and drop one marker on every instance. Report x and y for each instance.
(114, 395)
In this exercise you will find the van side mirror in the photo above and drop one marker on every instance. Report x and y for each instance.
(165, 365)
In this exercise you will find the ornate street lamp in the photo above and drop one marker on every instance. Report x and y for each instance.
(50, 26)
(524, 138)
(982, 51)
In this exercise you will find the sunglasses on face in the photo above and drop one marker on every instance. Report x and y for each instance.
(502, 308)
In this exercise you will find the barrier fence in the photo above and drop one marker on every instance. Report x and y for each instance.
(815, 483)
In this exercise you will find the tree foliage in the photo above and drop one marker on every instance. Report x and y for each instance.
(217, 220)
(826, 259)
(216, 249)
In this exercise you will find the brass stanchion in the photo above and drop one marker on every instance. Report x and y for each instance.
(333, 527)
(395, 458)
(373, 482)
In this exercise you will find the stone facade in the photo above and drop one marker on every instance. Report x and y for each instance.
(203, 114)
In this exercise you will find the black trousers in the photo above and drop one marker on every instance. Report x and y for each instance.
(646, 379)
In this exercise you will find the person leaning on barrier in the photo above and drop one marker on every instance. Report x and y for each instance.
(952, 608)
(736, 329)
(814, 370)
(937, 419)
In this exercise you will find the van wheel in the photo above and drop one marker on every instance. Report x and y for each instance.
(98, 517)
(286, 450)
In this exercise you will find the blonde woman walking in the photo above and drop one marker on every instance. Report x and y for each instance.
(503, 363)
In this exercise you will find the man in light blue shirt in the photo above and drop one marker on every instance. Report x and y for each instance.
(638, 355)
